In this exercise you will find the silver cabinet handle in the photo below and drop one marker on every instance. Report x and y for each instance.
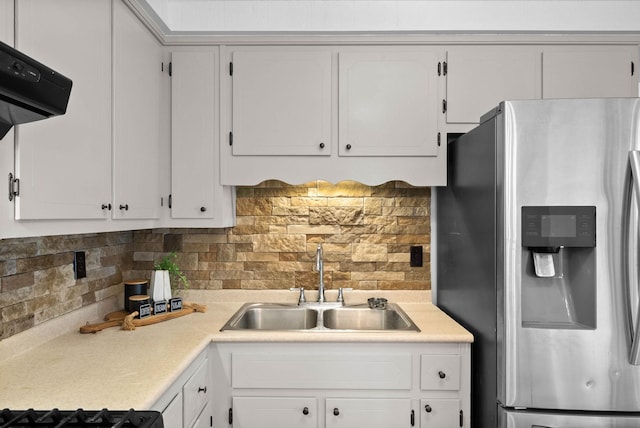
(634, 163)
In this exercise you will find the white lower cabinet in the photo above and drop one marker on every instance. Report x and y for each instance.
(336, 385)
(441, 413)
(282, 412)
(369, 412)
(186, 403)
(172, 414)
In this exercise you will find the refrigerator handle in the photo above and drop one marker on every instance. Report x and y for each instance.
(634, 162)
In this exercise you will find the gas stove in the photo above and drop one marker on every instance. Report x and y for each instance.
(80, 418)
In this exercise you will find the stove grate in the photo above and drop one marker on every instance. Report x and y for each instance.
(56, 418)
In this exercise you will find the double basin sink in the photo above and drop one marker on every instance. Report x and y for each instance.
(319, 317)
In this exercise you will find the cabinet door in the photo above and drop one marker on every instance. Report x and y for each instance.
(275, 412)
(196, 392)
(388, 103)
(479, 77)
(193, 134)
(368, 412)
(281, 102)
(64, 163)
(172, 414)
(440, 413)
(137, 80)
(6, 21)
(589, 71)
(203, 421)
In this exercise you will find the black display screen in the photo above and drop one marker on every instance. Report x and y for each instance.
(558, 226)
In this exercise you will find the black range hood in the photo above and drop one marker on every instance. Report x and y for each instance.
(29, 90)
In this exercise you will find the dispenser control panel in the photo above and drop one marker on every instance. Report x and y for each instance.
(558, 226)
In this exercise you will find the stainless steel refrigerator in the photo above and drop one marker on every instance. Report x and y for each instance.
(538, 256)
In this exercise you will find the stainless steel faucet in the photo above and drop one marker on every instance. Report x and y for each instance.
(320, 269)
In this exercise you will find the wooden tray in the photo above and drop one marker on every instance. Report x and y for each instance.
(128, 321)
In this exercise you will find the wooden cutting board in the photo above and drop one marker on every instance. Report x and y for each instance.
(128, 321)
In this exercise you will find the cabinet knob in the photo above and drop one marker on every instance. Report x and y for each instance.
(442, 374)
(322, 145)
(203, 209)
(106, 207)
(348, 146)
(305, 411)
(428, 408)
(336, 411)
(124, 207)
(201, 389)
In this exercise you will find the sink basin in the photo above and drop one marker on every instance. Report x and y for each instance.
(361, 317)
(272, 316)
(319, 317)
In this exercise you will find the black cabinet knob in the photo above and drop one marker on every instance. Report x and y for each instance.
(305, 411)
(203, 209)
(124, 207)
(348, 146)
(442, 374)
(336, 411)
(428, 408)
(322, 145)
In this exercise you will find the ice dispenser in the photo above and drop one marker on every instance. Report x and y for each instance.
(558, 267)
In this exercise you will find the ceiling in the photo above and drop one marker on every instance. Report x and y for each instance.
(389, 16)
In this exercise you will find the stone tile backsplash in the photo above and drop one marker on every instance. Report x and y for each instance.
(37, 281)
(366, 233)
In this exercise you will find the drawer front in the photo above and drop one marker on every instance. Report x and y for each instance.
(195, 393)
(368, 413)
(322, 371)
(276, 412)
(440, 372)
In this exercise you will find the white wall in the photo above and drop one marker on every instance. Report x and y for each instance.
(399, 15)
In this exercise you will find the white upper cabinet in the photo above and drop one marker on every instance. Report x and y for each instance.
(137, 118)
(281, 102)
(590, 71)
(363, 113)
(64, 163)
(196, 193)
(6, 22)
(388, 103)
(479, 77)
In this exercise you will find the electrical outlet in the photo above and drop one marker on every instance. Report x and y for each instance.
(79, 265)
(415, 258)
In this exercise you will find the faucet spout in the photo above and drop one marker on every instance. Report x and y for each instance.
(320, 269)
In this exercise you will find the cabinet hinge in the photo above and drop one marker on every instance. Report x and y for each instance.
(14, 187)
(170, 69)
(231, 138)
(444, 106)
(230, 416)
(231, 69)
(461, 418)
(439, 139)
(442, 68)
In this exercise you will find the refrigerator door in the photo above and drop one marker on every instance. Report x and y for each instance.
(522, 419)
(567, 333)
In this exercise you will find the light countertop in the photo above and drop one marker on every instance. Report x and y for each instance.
(119, 369)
